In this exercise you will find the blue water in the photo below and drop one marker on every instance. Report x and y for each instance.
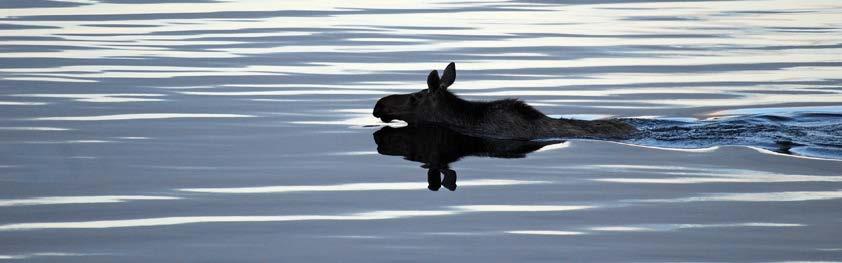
(241, 131)
(805, 134)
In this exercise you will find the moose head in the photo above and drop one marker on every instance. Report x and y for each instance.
(427, 105)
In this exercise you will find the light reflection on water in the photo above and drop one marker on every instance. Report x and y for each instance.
(348, 187)
(376, 215)
(54, 200)
(164, 115)
(759, 197)
(142, 116)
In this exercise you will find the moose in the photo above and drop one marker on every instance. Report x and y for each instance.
(500, 119)
(438, 147)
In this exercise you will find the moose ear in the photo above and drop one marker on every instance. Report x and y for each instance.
(449, 75)
(433, 82)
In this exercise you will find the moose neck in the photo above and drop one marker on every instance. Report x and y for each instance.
(455, 111)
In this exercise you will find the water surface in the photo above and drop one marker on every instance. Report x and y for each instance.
(240, 131)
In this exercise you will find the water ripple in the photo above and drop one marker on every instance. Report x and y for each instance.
(57, 200)
(142, 116)
(351, 187)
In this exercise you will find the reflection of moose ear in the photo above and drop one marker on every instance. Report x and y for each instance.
(449, 75)
(449, 181)
(433, 179)
(433, 82)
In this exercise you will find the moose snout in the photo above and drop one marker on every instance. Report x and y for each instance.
(383, 110)
(378, 108)
(380, 111)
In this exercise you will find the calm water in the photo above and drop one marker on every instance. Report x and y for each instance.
(241, 131)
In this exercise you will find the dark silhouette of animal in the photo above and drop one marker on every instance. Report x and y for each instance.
(438, 147)
(502, 119)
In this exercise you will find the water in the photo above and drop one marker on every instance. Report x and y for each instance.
(140, 131)
(805, 134)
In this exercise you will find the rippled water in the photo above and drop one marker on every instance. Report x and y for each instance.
(805, 134)
(235, 131)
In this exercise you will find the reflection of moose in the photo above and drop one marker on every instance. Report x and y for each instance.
(502, 119)
(438, 147)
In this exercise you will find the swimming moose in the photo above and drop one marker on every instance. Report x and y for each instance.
(500, 119)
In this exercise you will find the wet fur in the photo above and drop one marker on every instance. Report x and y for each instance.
(502, 119)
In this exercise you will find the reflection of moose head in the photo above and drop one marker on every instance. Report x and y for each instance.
(437, 147)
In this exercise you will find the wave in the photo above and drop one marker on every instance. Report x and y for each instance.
(807, 134)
